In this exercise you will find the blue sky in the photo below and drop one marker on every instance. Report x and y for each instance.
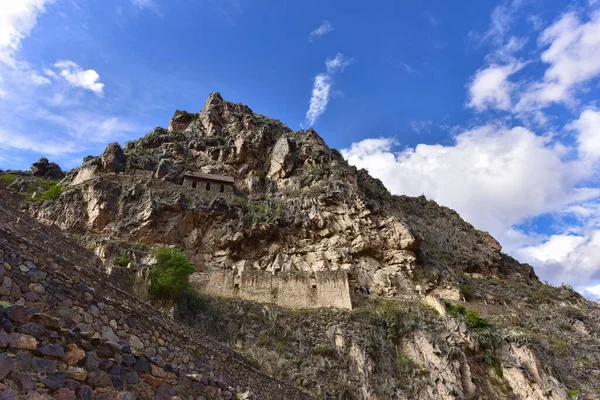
(489, 108)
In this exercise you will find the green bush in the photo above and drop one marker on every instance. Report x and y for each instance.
(5, 303)
(121, 258)
(468, 289)
(484, 334)
(404, 365)
(395, 322)
(169, 277)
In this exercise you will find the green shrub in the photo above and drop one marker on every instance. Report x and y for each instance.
(468, 289)
(404, 365)
(121, 258)
(169, 277)
(5, 303)
(395, 322)
(484, 334)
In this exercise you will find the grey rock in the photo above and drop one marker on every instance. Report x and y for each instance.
(125, 396)
(6, 365)
(84, 392)
(43, 168)
(18, 314)
(8, 394)
(23, 361)
(52, 350)
(43, 365)
(164, 392)
(141, 365)
(92, 362)
(55, 379)
(113, 159)
(131, 378)
(23, 381)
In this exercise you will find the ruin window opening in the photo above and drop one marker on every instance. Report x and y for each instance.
(207, 185)
(222, 188)
(194, 185)
(236, 285)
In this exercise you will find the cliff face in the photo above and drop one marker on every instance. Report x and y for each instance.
(298, 206)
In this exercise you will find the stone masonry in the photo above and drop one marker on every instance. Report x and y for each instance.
(285, 289)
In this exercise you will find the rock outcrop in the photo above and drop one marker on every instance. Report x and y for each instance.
(45, 169)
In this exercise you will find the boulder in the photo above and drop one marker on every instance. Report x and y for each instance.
(282, 159)
(180, 121)
(44, 168)
(113, 159)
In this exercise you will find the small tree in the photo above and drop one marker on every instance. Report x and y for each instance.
(169, 277)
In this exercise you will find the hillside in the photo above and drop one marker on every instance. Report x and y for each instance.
(450, 316)
(68, 331)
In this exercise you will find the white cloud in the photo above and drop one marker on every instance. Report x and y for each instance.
(571, 259)
(420, 126)
(490, 87)
(17, 20)
(495, 177)
(573, 58)
(19, 141)
(339, 63)
(588, 127)
(323, 29)
(502, 19)
(37, 79)
(322, 85)
(143, 3)
(592, 292)
(319, 98)
(78, 77)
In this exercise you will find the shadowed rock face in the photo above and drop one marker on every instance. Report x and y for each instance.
(299, 206)
(45, 169)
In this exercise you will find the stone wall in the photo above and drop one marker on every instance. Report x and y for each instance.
(214, 191)
(68, 332)
(286, 289)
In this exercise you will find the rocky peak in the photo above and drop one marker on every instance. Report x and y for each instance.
(44, 168)
(113, 158)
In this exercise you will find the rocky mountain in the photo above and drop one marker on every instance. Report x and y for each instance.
(450, 315)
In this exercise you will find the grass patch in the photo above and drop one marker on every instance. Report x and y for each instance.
(8, 179)
(395, 322)
(404, 365)
(482, 332)
(325, 351)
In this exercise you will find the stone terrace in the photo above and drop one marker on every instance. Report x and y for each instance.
(70, 333)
